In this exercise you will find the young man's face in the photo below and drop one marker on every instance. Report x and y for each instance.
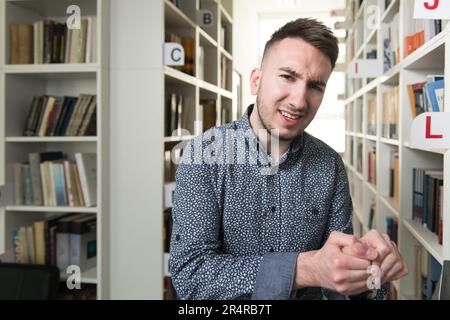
(290, 86)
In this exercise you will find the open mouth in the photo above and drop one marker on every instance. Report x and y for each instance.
(290, 119)
(289, 115)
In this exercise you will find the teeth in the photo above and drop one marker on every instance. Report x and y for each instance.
(287, 115)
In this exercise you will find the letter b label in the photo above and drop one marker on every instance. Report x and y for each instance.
(205, 18)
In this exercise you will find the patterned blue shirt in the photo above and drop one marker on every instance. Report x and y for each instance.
(237, 231)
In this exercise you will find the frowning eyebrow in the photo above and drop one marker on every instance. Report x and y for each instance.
(295, 74)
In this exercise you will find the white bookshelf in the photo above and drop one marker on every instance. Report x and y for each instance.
(18, 85)
(432, 58)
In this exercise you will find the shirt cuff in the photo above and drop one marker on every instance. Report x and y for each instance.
(275, 277)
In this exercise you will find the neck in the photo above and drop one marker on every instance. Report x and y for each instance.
(264, 136)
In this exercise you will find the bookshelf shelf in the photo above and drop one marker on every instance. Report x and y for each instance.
(391, 142)
(428, 239)
(359, 175)
(51, 68)
(50, 8)
(395, 158)
(175, 18)
(178, 76)
(177, 139)
(50, 139)
(226, 94)
(371, 187)
(205, 39)
(360, 217)
(390, 11)
(225, 15)
(436, 151)
(429, 56)
(208, 87)
(371, 38)
(391, 205)
(226, 53)
(51, 209)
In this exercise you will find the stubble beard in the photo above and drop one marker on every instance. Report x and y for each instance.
(265, 123)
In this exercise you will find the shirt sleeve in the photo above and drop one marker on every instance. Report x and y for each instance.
(275, 277)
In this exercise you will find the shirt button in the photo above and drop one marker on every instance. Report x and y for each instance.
(273, 209)
(177, 237)
(315, 212)
(213, 138)
(271, 249)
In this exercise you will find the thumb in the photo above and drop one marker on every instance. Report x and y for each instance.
(341, 239)
(361, 250)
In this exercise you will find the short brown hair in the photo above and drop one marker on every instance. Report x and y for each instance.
(311, 31)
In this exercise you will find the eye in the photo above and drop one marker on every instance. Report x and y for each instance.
(287, 77)
(316, 87)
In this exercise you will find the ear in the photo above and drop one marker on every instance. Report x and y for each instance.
(255, 79)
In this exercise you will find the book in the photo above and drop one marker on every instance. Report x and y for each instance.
(83, 242)
(21, 43)
(63, 240)
(435, 95)
(87, 169)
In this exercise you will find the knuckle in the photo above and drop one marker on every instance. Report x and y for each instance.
(405, 269)
(384, 250)
(342, 289)
(338, 263)
(338, 278)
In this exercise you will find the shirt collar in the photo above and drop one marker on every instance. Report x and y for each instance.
(244, 124)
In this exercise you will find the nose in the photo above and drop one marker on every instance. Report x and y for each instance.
(298, 96)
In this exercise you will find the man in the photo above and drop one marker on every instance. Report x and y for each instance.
(241, 231)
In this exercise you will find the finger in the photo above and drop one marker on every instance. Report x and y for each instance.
(355, 276)
(377, 241)
(352, 263)
(400, 269)
(360, 250)
(341, 239)
(396, 272)
(389, 266)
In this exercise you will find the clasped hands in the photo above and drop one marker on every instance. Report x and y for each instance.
(344, 264)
